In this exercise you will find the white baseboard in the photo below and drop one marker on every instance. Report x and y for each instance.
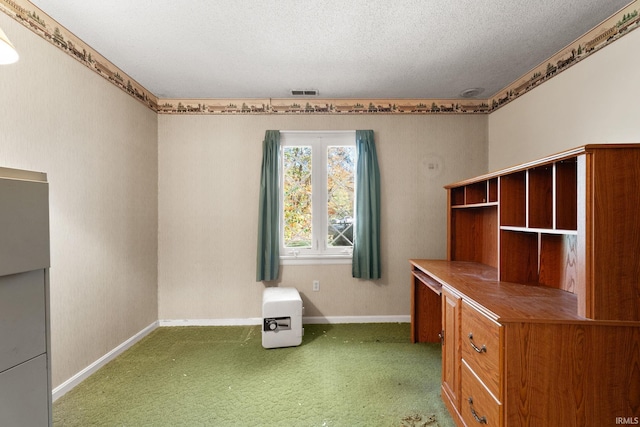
(356, 319)
(66, 386)
(305, 320)
(212, 322)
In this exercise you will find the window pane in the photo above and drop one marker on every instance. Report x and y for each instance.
(340, 185)
(297, 197)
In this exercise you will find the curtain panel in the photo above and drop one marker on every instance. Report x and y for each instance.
(268, 265)
(366, 245)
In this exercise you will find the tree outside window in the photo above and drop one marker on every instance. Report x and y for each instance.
(318, 180)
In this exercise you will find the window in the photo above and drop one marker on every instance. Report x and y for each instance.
(318, 179)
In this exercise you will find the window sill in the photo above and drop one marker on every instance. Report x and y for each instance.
(315, 259)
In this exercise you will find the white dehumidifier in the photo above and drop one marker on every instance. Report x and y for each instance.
(281, 318)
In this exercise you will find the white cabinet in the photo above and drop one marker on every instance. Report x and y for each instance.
(25, 380)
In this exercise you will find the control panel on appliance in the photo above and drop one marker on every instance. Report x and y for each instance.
(277, 323)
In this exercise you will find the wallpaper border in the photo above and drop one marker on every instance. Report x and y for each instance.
(610, 30)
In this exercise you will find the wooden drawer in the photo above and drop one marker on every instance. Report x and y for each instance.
(481, 346)
(478, 406)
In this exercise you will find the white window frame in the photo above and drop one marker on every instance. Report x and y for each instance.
(319, 253)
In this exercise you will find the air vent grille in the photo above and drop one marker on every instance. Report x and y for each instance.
(304, 92)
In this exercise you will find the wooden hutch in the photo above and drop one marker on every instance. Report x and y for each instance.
(538, 303)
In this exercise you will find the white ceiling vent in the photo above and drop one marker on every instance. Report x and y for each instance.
(304, 92)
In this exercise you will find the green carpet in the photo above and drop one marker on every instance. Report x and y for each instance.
(341, 375)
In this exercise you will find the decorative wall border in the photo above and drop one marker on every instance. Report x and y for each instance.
(321, 106)
(610, 30)
(36, 20)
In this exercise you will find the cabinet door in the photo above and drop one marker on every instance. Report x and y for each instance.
(24, 221)
(24, 393)
(22, 318)
(451, 347)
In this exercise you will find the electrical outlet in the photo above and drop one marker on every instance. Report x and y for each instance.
(316, 285)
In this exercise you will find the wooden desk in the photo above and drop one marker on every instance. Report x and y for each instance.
(521, 353)
(539, 314)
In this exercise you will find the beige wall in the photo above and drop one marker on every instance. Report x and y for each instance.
(209, 173)
(595, 101)
(98, 147)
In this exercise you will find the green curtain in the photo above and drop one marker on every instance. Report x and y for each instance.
(268, 265)
(366, 245)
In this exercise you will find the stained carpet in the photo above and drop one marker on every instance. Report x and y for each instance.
(342, 375)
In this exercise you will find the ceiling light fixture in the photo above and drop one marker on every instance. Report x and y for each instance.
(8, 53)
(471, 92)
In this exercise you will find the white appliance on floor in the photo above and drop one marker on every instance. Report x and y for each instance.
(281, 317)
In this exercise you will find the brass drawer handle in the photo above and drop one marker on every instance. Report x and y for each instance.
(481, 420)
(475, 347)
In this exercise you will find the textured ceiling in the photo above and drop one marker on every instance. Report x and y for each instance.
(344, 49)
